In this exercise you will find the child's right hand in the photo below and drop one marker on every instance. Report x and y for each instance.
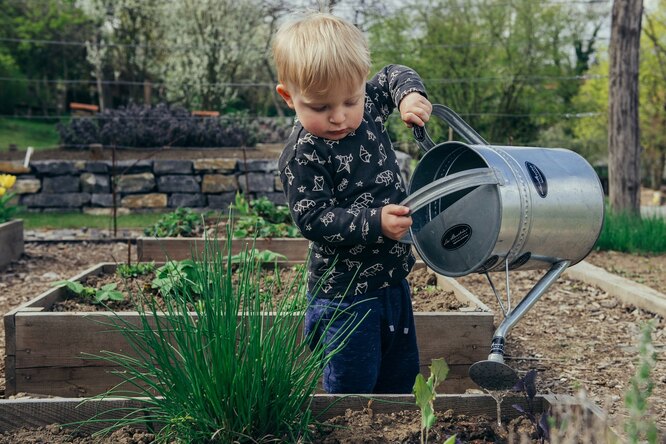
(395, 221)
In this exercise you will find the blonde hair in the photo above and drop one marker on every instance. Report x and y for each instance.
(315, 51)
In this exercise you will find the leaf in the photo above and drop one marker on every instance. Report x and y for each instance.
(74, 287)
(440, 370)
(450, 440)
(530, 384)
(544, 426)
(422, 392)
(428, 418)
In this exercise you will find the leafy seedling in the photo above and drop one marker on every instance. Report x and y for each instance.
(182, 222)
(527, 386)
(425, 393)
(176, 275)
(107, 292)
(258, 256)
(75, 287)
(135, 270)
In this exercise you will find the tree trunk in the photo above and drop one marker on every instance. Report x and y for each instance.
(623, 132)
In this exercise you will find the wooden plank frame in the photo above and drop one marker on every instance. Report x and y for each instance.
(11, 241)
(160, 249)
(33, 413)
(46, 351)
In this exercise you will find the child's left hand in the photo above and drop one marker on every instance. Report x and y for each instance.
(415, 109)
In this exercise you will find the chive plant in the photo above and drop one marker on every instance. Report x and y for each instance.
(216, 367)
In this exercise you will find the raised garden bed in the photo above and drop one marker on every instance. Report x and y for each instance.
(384, 416)
(44, 349)
(11, 241)
(178, 248)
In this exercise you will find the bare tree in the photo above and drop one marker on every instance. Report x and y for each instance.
(623, 132)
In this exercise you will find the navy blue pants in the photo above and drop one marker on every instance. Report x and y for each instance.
(381, 354)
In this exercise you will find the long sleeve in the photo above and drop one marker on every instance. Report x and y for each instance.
(336, 189)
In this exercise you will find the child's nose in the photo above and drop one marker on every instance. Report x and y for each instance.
(337, 116)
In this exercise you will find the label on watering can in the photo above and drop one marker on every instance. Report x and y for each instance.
(456, 236)
(538, 179)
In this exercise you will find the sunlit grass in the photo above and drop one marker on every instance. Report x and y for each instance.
(79, 220)
(24, 133)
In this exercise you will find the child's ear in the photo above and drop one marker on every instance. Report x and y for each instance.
(282, 90)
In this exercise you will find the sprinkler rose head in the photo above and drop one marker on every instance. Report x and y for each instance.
(493, 375)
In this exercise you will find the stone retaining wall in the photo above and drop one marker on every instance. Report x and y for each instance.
(145, 185)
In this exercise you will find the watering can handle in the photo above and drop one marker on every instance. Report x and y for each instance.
(447, 185)
(455, 121)
(450, 184)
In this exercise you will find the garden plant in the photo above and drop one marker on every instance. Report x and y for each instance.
(641, 427)
(7, 209)
(425, 394)
(107, 292)
(253, 218)
(205, 356)
(632, 233)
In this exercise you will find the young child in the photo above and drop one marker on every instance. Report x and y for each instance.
(342, 182)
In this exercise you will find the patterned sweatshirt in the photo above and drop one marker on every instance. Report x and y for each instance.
(336, 189)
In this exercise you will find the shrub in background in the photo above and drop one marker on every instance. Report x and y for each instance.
(632, 234)
(139, 126)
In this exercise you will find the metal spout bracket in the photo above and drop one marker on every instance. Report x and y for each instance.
(493, 373)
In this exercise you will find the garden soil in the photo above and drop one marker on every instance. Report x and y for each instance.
(581, 340)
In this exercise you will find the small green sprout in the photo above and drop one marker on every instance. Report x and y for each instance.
(424, 391)
(135, 270)
(107, 292)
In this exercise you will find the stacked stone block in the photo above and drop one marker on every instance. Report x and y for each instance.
(146, 185)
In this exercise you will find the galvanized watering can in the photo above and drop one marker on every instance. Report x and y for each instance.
(480, 208)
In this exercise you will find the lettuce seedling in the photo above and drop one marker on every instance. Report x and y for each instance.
(527, 386)
(107, 292)
(424, 391)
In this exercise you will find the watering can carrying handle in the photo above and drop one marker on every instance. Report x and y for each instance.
(455, 121)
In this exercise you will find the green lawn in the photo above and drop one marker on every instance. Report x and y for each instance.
(25, 133)
(79, 220)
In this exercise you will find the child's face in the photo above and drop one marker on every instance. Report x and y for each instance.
(332, 115)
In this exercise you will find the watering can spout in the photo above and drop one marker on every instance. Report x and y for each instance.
(493, 373)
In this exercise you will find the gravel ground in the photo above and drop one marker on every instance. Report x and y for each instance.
(577, 336)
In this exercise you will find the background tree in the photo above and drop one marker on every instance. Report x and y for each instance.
(217, 47)
(45, 42)
(653, 93)
(592, 133)
(125, 49)
(623, 130)
(510, 68)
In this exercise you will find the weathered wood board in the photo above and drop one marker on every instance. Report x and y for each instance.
(179, 248)
(33, 413)
(11, 242)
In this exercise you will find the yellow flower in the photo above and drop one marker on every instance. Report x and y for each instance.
(7, 181)
(2, 191)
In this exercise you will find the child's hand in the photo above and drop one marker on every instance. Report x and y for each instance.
(415, 109)
(395, 221)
